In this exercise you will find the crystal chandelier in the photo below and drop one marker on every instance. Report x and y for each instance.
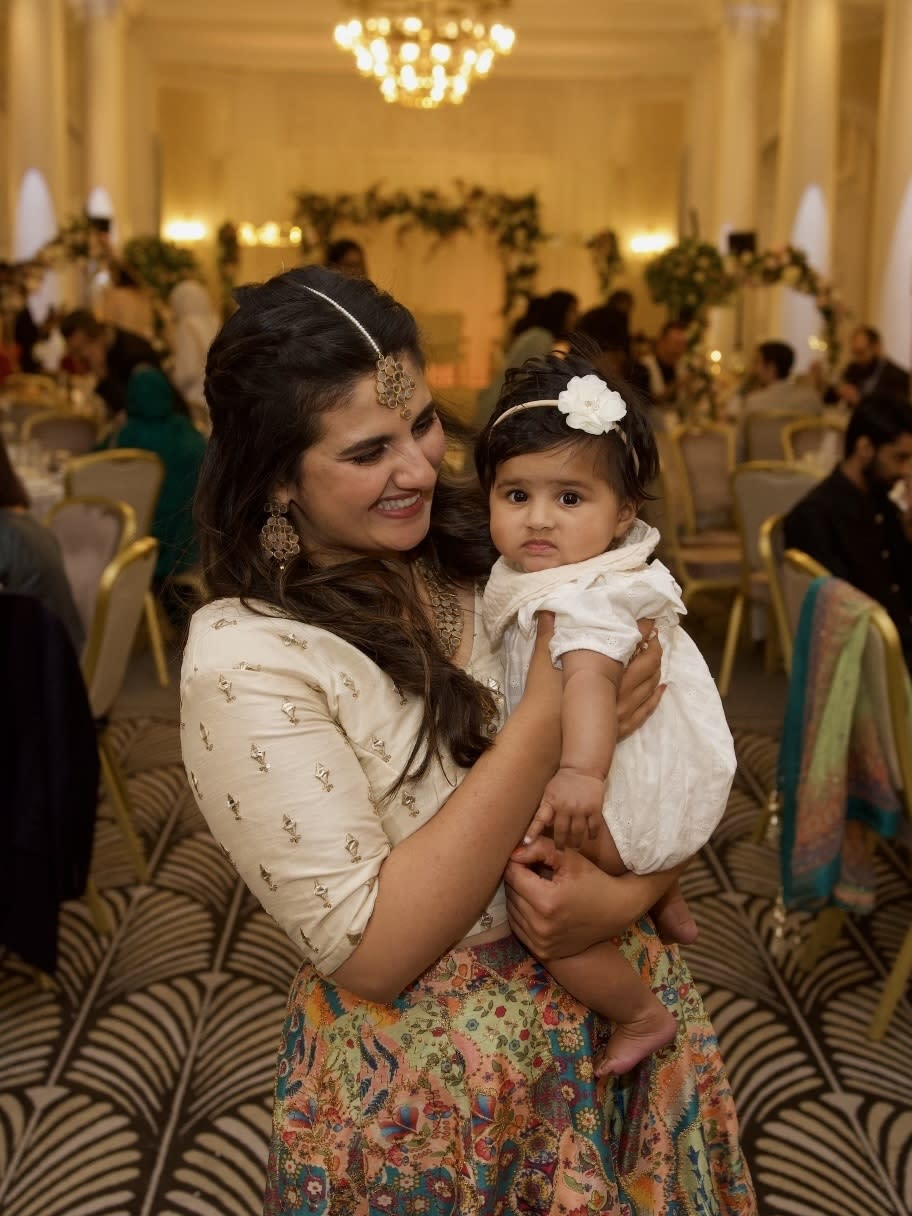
(424, 52)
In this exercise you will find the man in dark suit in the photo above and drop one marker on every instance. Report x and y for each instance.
(869, 370)
(852, 522)
(110, 353)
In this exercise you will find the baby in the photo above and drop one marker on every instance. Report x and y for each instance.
(565, 461)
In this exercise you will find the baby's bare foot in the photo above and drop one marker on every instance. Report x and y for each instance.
(634, 1041)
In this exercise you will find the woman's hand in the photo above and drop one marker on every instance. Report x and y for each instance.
(640, 692)
(579, 905)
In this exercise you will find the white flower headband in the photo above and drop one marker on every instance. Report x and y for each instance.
(587, 403)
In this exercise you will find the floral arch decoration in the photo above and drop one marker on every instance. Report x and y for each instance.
(693, 276)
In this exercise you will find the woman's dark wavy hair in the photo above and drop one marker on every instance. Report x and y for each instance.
(628, 465)
(280, 362)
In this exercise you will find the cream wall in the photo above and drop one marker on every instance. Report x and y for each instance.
(238, 145)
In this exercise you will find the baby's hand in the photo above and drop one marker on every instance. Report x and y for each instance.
(571, 806)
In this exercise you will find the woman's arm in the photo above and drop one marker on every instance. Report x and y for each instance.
(434, 884)
(579, 905)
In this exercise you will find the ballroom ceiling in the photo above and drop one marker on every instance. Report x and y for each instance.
(633, 39)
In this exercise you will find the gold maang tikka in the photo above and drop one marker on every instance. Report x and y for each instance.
(279, 539)
(395, 386)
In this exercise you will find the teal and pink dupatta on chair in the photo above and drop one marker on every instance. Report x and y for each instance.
(834, 779)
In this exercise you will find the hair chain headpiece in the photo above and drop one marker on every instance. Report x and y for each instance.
(394, 385)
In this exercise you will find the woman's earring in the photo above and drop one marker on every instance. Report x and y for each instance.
(277, 536)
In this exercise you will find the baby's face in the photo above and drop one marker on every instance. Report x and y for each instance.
(551, 508)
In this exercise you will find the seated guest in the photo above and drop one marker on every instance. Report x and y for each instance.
(347, 257)
(869, 371)
(108, 352)
(125, 304)
(773, 362)
(156, 422)
(30, 561)
(546, 319)
(609, 327)
(850, 523)
(662, 364)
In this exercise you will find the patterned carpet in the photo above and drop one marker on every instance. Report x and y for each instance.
(142, 1084)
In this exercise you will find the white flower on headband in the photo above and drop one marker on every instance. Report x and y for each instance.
(591, 406)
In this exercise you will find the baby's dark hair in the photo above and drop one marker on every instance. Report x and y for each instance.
(629, 465)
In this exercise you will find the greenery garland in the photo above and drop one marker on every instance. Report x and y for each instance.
(606, 259)
(512, 220)
(160, 265)
(19, 279)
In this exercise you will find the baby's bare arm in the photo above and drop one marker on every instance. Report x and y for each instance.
(572, 802)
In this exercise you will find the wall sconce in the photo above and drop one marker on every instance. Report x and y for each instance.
(272, 234)
(184, 231)
(651, 242)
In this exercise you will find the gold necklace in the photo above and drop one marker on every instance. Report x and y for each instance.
(444, 605)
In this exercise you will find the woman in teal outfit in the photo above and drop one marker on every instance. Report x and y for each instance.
(156, 424)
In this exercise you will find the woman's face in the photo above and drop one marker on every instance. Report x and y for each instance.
(365, 487)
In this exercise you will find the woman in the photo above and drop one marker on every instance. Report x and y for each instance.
(340, 699)
(155, 423)
(194, 324)
(30, 559)
(546, 320)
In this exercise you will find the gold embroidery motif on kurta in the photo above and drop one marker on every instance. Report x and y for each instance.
(350, 684)
(308, 943)
(400, 694)
(290, 710)
(352, 847)
(321, 772)
(225, 686)
(204, 735)
(378, 747)
(322, 894)
(257, 754)
(486, 920)
(194, 781)
(354, 938)
(292, 639)
(223, 623)
(242, 666)
(291, 827)
(408, 801)
(233, 806)
(268, 879)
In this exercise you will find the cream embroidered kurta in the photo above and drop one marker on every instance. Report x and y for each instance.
(670, 780)
(291, 737)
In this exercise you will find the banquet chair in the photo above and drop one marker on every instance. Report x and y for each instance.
(818, 441)
(119, 607)
(704, 456)
(443, 339)
(710, 567)
(772, 552)
(61, 430)
(33, 386)
(19, 411)
(759, 489)
(763, 439)
(135, 477)
(886, 676)
(91, 531)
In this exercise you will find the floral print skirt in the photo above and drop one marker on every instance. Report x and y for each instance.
(475, 1092)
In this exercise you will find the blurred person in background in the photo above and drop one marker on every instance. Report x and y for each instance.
(546, 320)
(347, 257)
(30, 560)
(194, 324)
(107, 352)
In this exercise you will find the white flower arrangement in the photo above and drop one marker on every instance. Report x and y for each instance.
(590, 405)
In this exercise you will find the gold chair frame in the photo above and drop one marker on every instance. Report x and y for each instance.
(111, 772)
(32, 421)
(697, 428)
(768, 530)
(791, 429)
(743, 595)
(710, 554)
(153, 624)
(123, 509)
(785, 416)
(828, 925)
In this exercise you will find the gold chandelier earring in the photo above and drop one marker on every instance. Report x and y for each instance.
(277, 536)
